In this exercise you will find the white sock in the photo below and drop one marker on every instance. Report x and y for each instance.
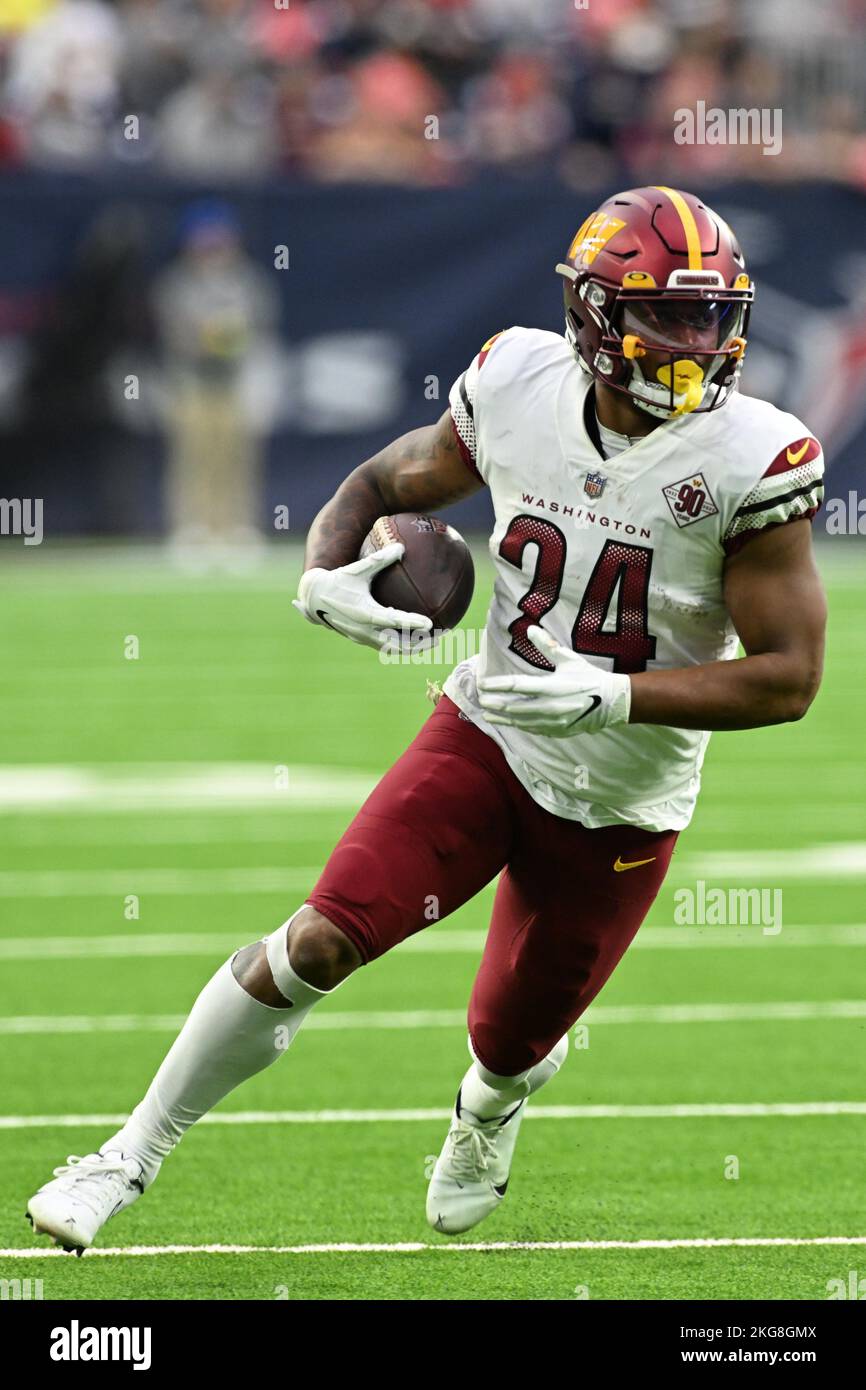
(228, 1037)
(485, 1096)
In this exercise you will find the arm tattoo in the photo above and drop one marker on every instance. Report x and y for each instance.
(421, 471)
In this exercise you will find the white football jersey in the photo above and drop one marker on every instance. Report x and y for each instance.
(621, 559)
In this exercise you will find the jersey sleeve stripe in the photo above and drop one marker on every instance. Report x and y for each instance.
(773, 484)
(464, 396)
(464, 451)
(750, 522)
(782, 494)
(771, 503)
(463, 416)
(463, 400)
(734, 543)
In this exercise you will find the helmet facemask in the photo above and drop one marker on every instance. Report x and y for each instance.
(679, 346)
(673, 351)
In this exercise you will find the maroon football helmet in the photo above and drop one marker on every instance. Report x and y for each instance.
(657, 300)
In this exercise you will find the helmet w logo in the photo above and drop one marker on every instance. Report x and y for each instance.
(593, 236)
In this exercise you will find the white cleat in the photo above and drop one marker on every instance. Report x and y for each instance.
(83, 1194)
(471, 1172)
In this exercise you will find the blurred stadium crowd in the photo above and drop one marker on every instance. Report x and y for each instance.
(344, 89)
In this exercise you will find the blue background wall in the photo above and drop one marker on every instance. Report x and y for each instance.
(430, 274)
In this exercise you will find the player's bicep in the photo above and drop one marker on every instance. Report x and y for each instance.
(776, 600)
(425, 469)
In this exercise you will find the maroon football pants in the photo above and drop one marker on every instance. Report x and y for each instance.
(445, 820)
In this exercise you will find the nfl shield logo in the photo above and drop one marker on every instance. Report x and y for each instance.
(594, 484)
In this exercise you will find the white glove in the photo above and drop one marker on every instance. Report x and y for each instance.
(341, 599)
(575, 698)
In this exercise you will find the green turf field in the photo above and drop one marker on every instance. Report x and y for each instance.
(157, 812)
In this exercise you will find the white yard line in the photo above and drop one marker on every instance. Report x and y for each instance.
(229, 787)
(325, 1020)
(694, 938)
(418, 1247)
(437, 941)
(91, 883)
(40, 788)
(845, 860)
(831, 861)
(687, 1111)
(268, 825)
(262, 825)
(171, 1023)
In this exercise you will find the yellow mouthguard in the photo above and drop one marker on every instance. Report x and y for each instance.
(688, 377)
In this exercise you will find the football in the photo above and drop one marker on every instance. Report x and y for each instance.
(435, 577)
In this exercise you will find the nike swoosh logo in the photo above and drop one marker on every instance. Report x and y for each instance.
(596, 701)
(320, 614)
(794, 459)
(620, 868)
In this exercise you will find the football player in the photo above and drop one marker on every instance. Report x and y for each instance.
(648, 516)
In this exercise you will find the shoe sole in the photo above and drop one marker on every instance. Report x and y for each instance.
(56, 1239)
